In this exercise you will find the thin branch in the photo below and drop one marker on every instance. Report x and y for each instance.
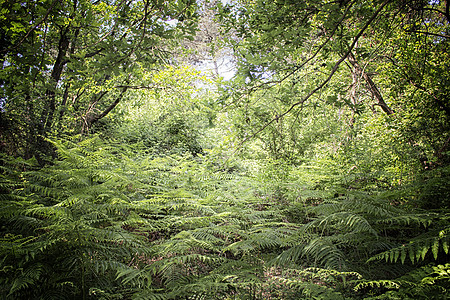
(429, 33)
(102, 38)
(435, 10)
(446, 13)
(315, 53)
(137, 87)
(297, 68)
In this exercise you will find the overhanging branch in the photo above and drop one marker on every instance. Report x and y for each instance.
(93, 119)
(333, 71)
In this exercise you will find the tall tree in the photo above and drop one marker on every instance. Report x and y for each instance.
(207, 50)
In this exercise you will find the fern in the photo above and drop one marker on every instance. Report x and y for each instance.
(111, 221)
(428, 282)
(416, 249)
(73, 219)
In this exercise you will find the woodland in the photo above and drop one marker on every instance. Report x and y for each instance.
(241, 149)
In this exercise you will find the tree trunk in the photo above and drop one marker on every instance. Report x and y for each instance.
(50, 93)
(370, 84)
(91, 119)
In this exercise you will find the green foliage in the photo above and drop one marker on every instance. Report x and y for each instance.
(67, 64)
(69, 226)
(428, 282)
(434, 241)
(168, 118)
(114, 221)
(284, 183)
(106, 219)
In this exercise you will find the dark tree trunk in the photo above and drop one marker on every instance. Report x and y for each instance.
(50, 93)
(370, 85)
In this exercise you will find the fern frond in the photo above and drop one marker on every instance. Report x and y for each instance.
(417, 248)
(310, 290)
(424, 220)
(390, 284)
(26, 278)
(428, 282)
(347, 221)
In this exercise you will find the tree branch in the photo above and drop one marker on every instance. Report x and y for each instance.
(297, 68)
(335, 68)
(305, 62)
(138, 87)
(429, 33)
(371, 85)
(92, 119)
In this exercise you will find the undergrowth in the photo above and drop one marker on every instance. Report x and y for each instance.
(109, 221)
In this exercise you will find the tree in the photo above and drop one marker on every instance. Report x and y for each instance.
(69, 62)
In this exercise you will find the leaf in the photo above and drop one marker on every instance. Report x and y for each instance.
(403, 254)
(445, 246)
(435, 248)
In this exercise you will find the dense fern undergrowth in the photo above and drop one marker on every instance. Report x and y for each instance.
(109, 221)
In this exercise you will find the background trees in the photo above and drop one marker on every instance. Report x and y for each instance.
(344, 54)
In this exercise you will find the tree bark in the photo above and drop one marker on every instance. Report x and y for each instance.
(370, 85)
(94, 118)
(50, 93)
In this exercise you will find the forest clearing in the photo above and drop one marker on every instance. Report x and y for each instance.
(241, 149)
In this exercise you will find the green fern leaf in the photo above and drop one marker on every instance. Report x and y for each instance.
(422, 251)
(390, 284)
(445, 246)
(435, 248)
(403, 254)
